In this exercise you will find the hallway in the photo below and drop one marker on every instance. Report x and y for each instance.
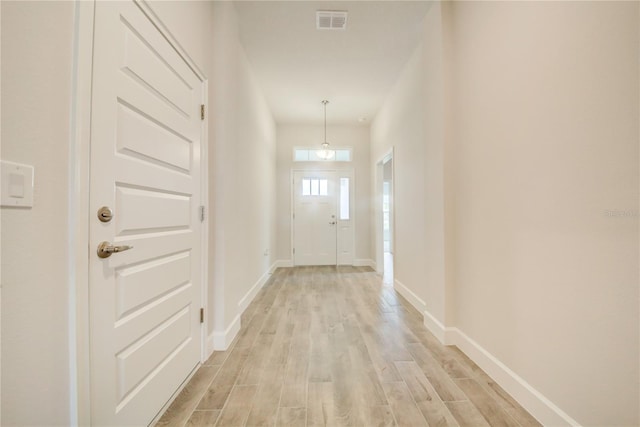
(335, 346)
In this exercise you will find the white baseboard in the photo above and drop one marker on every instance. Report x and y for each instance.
(221, 340)
(249, 296)
(408, 294)
(545, 411)
(364, 263)
(283, 263)
(435, 327)
(356, 263)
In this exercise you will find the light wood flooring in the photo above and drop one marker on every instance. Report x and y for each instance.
(335, 346)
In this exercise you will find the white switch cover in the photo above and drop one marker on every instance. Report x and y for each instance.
(17, 184)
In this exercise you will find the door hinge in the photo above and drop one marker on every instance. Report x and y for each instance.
(201, 213)
(202, 315)
(294, 251)
(202, 112)
(294, 215)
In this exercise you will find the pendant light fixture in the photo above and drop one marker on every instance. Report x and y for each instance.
(325, 153)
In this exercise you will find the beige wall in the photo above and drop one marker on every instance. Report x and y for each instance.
(37, 62)
(36, 99)
(400, 124)
(242, 175)
(530, 143)
(357, 137)
(546, 142)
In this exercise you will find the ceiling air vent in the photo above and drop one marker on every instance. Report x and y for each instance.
(331, 20)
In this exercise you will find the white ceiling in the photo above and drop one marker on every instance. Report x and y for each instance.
(298, 66)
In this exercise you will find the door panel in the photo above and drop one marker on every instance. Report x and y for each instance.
(315, 201)
(145, 145)
(163, 148)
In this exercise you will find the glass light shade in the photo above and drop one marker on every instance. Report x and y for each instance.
(325, 153)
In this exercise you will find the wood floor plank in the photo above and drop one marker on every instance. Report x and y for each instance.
(488, 407)
(236, 411)
(319, 369)
(405, 411)
(292, 417)
(447, 358)
(444, 385)
(381, 359)
(217, 358)
(377, 416)
(366, 384)
(279, 352)
(203, 419)
(425, 396)
(265, 404)
(467, 414)
(184, 404)
(218, 392)
(294, 395)
(523, 418)
(252, 369)
(297, 363)
(320, 405)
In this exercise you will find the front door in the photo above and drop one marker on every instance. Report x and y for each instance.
(145, 170)
(314, 218)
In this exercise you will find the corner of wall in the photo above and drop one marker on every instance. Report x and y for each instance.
(410, 296)
(221, 340)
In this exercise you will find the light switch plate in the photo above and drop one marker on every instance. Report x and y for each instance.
(17, 184)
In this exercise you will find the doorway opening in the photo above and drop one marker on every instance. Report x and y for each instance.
(384, 224)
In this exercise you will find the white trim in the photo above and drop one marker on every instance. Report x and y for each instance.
(285, 263)
(435, 327)
(221, 340)
(291, 223)
(316, 148)
(249, 296)
(364, 263)
(378, 216)
(531, 399)
(78, 221)
(204, 225)
(408, 294)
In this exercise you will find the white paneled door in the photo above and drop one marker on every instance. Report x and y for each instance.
(315, 218)
(145, 331)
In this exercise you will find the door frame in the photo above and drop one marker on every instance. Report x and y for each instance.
(352, 205)
(79, 208)
(379, 236)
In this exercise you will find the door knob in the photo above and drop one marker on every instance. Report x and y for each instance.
(105, 249)
(332, 223)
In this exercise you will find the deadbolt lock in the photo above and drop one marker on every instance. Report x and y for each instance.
(105, 214)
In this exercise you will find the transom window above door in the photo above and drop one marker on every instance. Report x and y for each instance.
(311, 155)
